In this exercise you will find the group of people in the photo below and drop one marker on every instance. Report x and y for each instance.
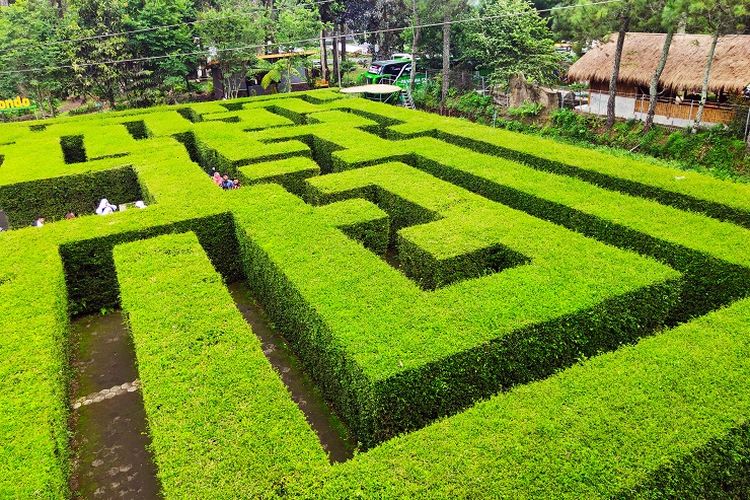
(224, 182)
(104, 208)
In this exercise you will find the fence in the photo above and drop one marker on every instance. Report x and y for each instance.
(669, 111)
(712, 112)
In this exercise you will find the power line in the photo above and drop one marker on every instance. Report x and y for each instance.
(176, 25)
(306, 40)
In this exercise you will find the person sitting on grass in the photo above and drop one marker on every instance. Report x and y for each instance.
(70, 215)
(235, 183)
(39, 222)
(140, 204)
(105, 207)
(216, 178)
(227, 183)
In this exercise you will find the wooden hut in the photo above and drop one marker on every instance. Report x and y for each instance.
(680, 83)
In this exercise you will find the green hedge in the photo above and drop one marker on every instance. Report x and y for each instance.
(716, 270)
(90, 270)
(53, 198)
(683, 189)
(34, 309)
(509, 272)
(666, 418)
(458, 237)
(216, 408)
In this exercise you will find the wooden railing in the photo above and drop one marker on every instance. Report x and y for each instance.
(713, 113)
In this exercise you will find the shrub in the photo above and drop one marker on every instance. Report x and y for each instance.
(525, 110)
(479, 306)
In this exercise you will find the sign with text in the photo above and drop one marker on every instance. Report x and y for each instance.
(16, 104)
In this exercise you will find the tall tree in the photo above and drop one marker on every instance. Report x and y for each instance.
(377, 18)
(718, 17)
(414, 43)
(513, 39)
(296, 20)
(163, 74)
(31, 52)
(586, 23)
(332, 16)
(666, 16)
(624, 20)
(450, 10)
(95, 73)
(232, 32)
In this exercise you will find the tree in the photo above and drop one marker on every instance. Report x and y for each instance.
(414, 43)
(163, 74)
(94, 73)
(276, 71)
(514, 39)
(29, 36)
(295, 20)
(587, 23)
(232, 32)
(719, 17)
(450, 9)
(377, 17)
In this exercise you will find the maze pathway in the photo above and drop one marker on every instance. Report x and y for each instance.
(490, 314)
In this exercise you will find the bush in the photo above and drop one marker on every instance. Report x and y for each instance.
(525, 110)
(478, 305)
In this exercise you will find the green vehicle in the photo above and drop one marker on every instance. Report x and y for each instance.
(393, 72)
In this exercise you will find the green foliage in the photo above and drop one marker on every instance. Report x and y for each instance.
(526, 110)
(514, 40)
(510, 353)
(29, 31)
(192, 344)
(716, 150)
(294, 20)
(85, 20)
(229, 25)
(164, 74)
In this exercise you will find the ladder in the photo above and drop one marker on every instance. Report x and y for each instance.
(406, 99)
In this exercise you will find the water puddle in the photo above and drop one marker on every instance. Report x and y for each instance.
(109, 439)
(332, 433)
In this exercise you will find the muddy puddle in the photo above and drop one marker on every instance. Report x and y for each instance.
(109, 440)
(332, 433)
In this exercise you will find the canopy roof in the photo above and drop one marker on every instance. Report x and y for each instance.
(378, 88)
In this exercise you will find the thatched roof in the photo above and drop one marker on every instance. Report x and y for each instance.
(685, 66)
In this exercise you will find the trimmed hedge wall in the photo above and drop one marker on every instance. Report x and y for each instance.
(53, 198)
(90, 270)
(424, 298)
(716, 270)
(683, 189)
(216, 408)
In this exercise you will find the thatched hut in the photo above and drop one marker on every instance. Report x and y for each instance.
(681, 81)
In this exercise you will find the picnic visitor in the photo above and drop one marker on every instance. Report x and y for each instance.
(217, 178)
(140, 204)
(235, 183)
(227, 183)
(39, 222)
(105, 207)
(70, 215)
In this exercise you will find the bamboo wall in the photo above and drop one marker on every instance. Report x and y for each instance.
(711, 114)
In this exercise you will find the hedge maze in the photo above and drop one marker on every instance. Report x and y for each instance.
(491, 314)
